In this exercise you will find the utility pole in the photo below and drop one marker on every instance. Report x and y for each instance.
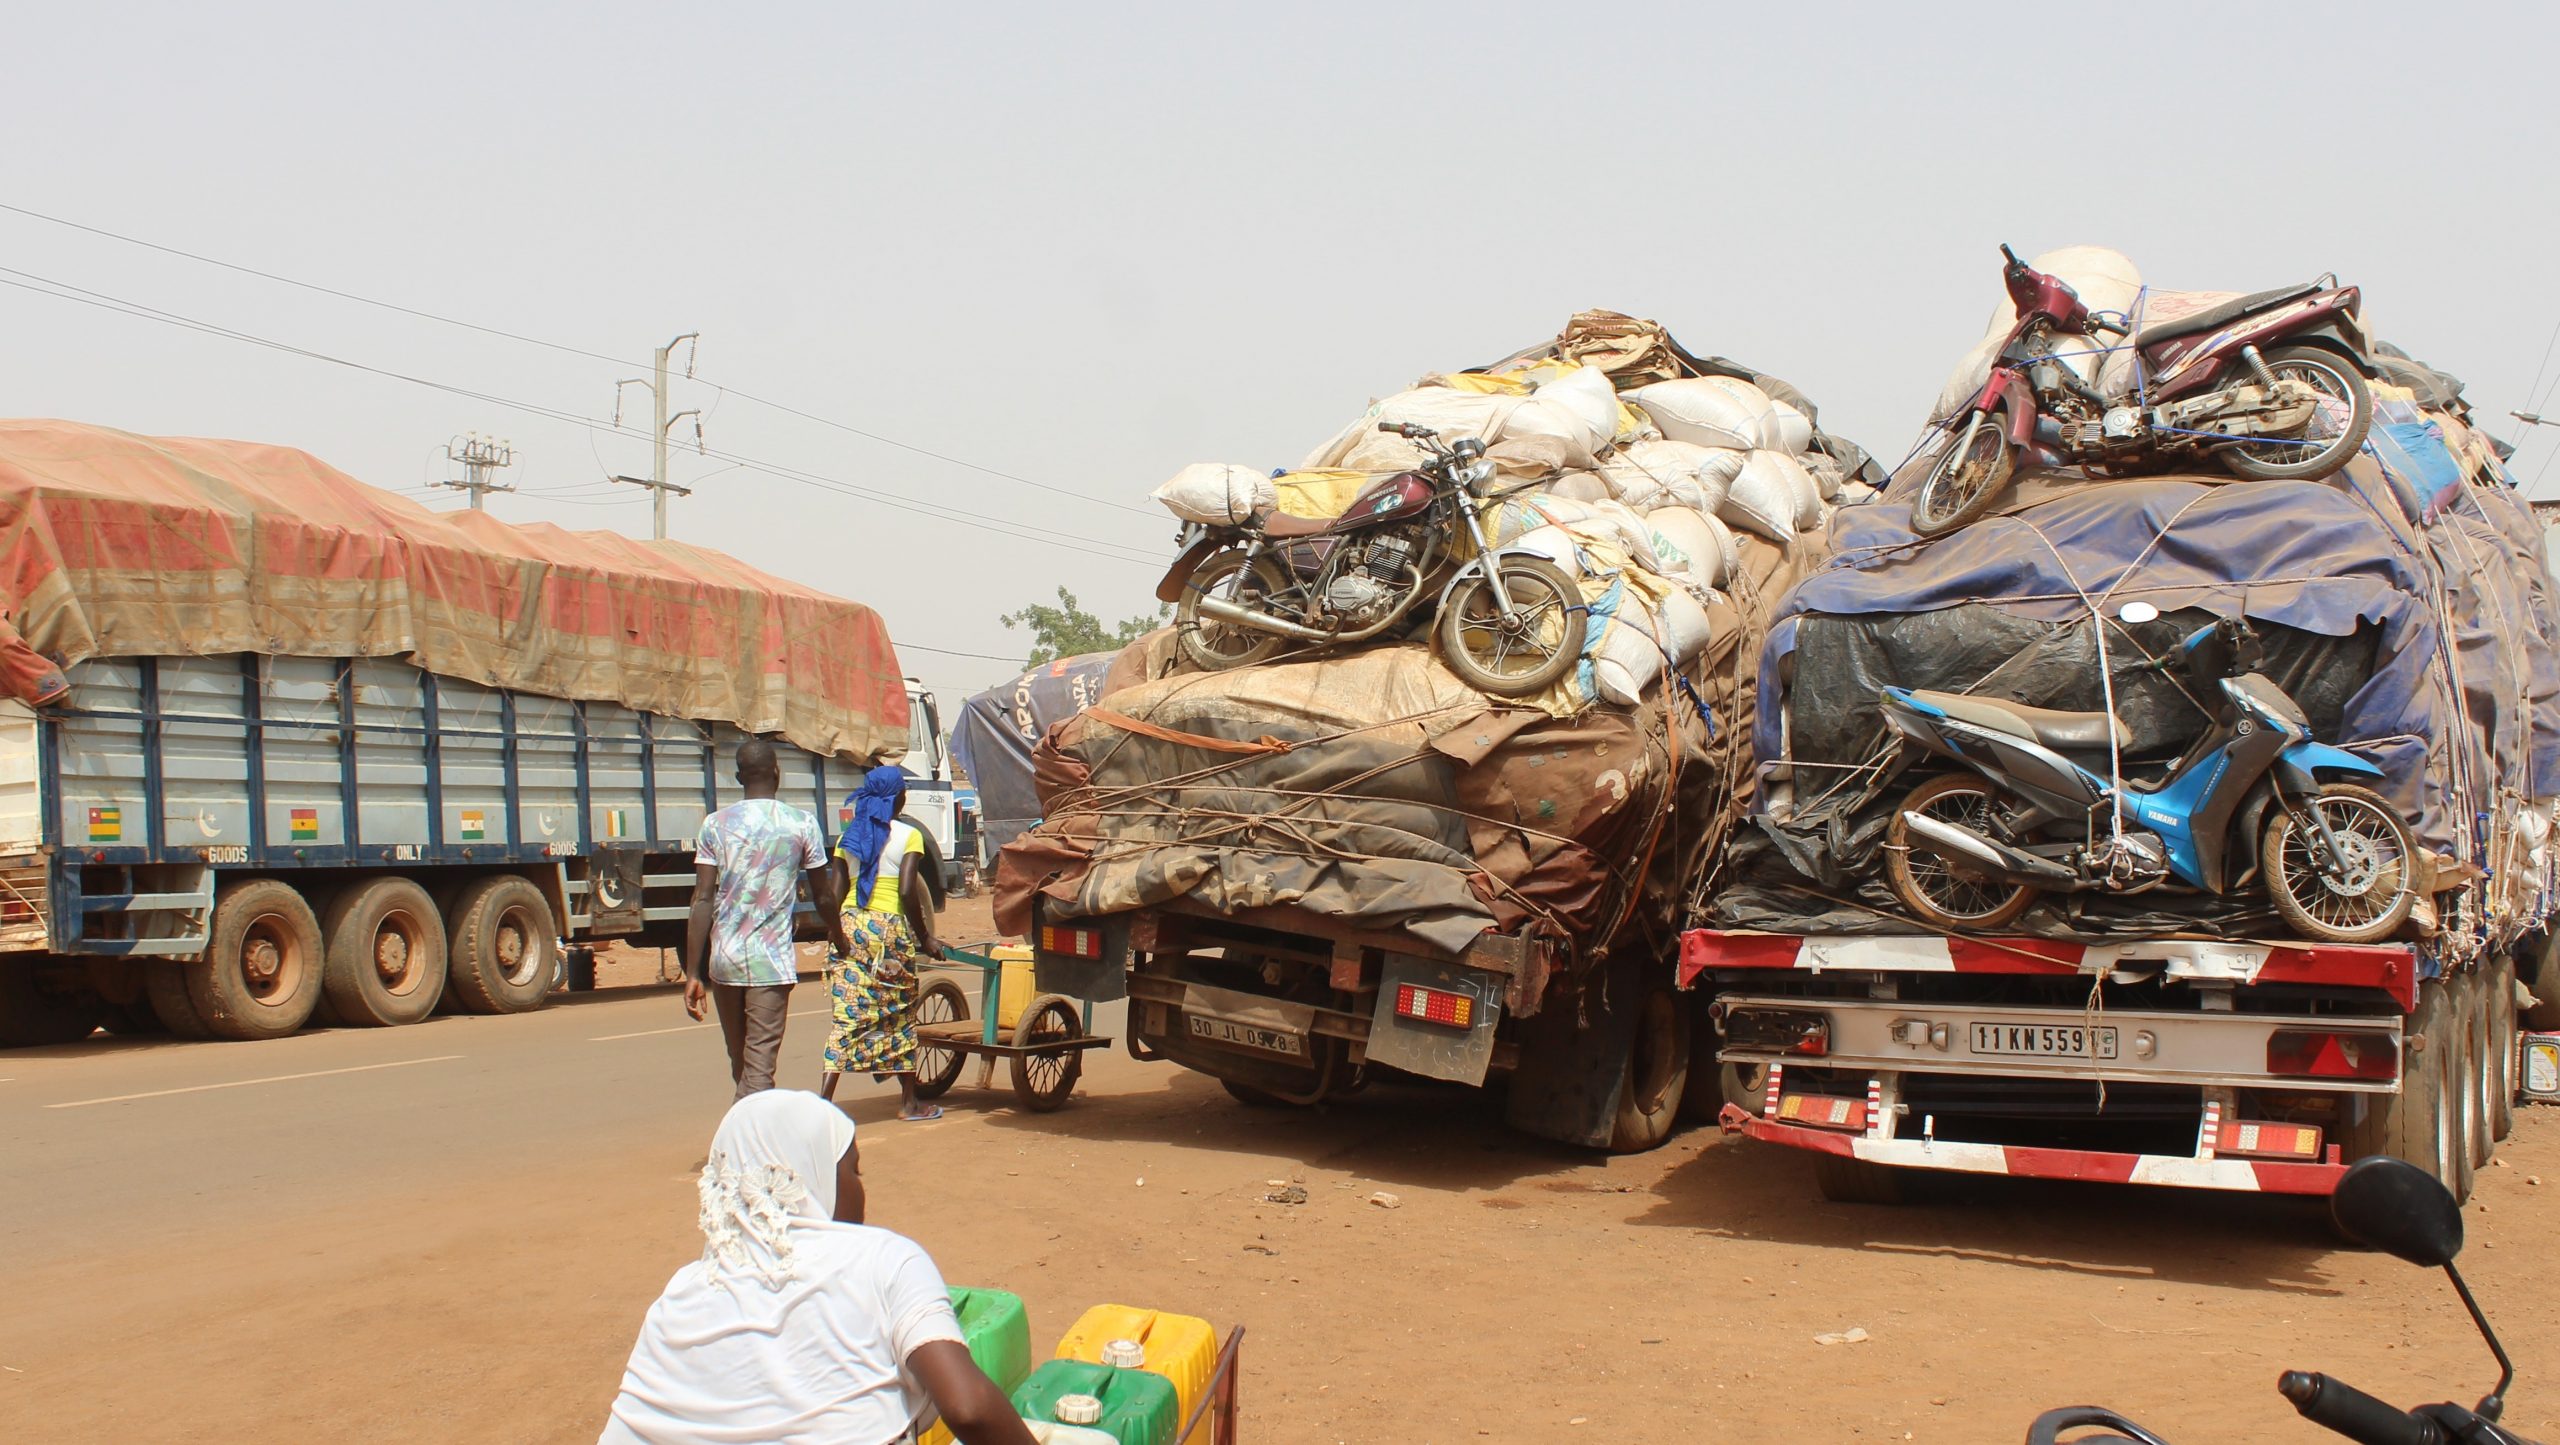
(479, 456)
(657, 482)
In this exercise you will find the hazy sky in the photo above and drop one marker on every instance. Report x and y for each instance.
(1086, 244)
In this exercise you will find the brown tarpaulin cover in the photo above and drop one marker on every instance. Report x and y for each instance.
(1411, 807)
(113, 544)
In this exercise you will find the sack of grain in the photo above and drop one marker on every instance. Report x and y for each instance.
(1579, 409)
(1711, 411)
(1682, 626)
(1787, 429)
(1626, 660)
(1691, 537)
(1216, 493)
(1766, 497)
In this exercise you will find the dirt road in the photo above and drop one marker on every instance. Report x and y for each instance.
(449, 1232)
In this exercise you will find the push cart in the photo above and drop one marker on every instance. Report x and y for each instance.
(1047, 1044)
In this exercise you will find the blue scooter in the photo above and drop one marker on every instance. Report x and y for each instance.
(1970, 851)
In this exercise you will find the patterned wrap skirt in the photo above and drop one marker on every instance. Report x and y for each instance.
(873, 990)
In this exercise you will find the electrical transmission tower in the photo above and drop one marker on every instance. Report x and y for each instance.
(656, 481)
(479, 457)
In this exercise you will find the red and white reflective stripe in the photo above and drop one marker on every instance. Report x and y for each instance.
(2244, 1175)
(1769, 1099)
(2388, 967)
(2212, 1134)
(1875, 1105)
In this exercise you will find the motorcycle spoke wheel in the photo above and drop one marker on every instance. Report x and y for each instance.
(1943, 893)
(1215, 645)
(1967, 478)
(2359, 897)
(2339, 420)
(1526, 651)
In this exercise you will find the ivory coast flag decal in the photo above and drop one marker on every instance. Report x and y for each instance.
(614, 827)
(306, 824)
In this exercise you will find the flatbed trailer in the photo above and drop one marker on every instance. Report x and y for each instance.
(2188, 1062)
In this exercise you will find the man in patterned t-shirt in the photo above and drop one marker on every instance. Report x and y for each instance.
(747, 865)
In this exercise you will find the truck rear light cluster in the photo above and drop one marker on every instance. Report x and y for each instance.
(2270, 1141)
(2320, 1054)
(1435, 1006)
(1794, 1031)
(1073, 942)
(1821, 1111)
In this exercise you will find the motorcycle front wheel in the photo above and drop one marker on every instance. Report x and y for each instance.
(2336, 429)
(1949, 896)
(1525, 652)
(2365, 895)
(1969, 475)
(1215, 644)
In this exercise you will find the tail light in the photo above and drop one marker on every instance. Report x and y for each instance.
(1794, 1031)
(1435, 1006)
(1821, 1111)
(2319, 1054)
(2270, 1141)
(1073, 942)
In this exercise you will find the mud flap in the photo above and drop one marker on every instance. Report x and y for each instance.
(1573, 1057)
(1459, 1054)
(614, 884)
(1094, 979)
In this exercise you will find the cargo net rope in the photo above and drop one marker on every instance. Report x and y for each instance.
(2404, 602)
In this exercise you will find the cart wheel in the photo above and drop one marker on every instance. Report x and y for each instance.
(937, 1067)
(1041, 1082)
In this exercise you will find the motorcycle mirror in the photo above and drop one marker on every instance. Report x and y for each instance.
(2138, 612)
(2398, 1208)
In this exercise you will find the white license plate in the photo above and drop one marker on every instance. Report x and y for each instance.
(2045, 1041)
(1271, 1041)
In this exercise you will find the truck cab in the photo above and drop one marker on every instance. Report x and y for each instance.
(933, 801)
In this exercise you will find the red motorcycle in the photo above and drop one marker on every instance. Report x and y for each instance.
(2271, 384)
(1511, 623)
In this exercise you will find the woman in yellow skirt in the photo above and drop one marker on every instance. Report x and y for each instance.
(888, 926)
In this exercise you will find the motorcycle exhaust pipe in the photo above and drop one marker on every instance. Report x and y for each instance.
(1225, 611)
(1964, 843)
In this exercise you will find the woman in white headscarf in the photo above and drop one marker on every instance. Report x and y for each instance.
(800, 1324)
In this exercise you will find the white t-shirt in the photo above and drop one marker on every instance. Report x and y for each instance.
(820, 1362)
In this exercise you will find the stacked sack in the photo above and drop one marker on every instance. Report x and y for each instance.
(1643, 479)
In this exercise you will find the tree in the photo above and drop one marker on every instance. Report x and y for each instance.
(1067, 629)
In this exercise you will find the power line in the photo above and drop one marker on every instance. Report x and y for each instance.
(66, 291)
(567, 349)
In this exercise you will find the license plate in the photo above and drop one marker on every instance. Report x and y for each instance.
(1270, 1041)
(2045, 1041)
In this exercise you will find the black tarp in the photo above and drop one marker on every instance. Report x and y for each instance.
(998, 728)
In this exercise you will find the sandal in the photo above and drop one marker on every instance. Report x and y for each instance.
(931, 1113)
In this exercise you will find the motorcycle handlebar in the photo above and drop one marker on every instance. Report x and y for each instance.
(2351, 1412)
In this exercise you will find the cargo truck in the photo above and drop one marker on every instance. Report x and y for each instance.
(276, 746)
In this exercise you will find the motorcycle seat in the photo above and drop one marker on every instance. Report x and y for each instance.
(2054, 729)
(2229, 311)
(1284, 524)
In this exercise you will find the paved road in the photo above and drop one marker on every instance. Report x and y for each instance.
(448, 1233)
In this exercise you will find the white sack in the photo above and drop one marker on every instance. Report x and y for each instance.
(1828, 474)
(1621, 525)
(1552, 543)
(1787, 429)
(1579, 408)
(1452, 413)
(1692, 538)
(1217, 493)
(1627, 660)
(1581, 487)
(1710, 411)
(1770, 496)
(1682, 626)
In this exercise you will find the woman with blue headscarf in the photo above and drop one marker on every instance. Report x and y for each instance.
(888, 924)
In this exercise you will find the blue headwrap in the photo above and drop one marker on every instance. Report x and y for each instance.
(874, 805)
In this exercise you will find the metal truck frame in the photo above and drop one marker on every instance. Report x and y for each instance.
(2186, 1062)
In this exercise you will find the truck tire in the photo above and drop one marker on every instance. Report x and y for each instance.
(164, 987)
(1657, 1075)
(503, 944)
(386, 953)
(2478, 1063)
(2539, 967)
(2504, 1064)
(1844, 1180)
(260, 978)
(44, 1000)
(2422, 1123)
(118, 982)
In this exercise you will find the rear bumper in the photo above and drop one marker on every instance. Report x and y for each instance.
(2202, 1171)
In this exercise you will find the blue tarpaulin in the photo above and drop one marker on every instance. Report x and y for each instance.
(997, 729)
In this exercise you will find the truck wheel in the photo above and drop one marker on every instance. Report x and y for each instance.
(2477, 1061)
(119, 984)
(1657, 1075)
(2503, 1063)
(1844, 1180)
(503, 941)
(2422, 1123)
(2540, 971)
(46, 1001)
(164, 987)
(386, 953)
(260, 978)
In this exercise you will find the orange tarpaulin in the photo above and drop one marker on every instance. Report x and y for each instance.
(113, 544)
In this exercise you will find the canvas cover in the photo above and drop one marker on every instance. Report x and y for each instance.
(998, 728)
(113, 544)
(2405, 603)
